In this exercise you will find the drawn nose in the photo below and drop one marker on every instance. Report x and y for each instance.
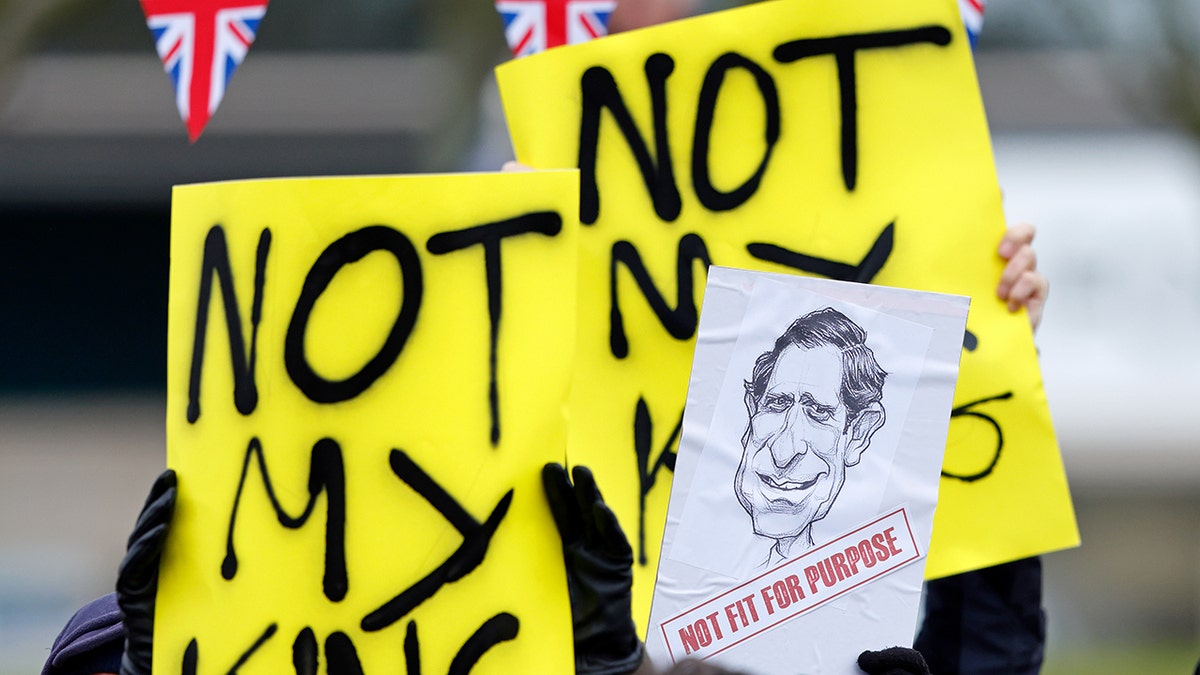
(791, 442)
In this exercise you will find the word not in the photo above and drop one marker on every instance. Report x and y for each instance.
(348, 249)
(598, 90)
(794, 587)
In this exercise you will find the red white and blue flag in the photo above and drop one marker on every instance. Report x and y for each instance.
(533, 26)
(972, 15)
(201, 43)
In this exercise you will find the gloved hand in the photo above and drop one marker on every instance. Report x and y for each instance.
(599, 565)
(893, 661)
(137, 578)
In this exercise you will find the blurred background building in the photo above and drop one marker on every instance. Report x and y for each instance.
(1094, 108)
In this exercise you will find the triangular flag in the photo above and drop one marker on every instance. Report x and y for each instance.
(972, 14)
(533, 26)
(201, 43)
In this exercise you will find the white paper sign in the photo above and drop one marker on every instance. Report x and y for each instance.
(807, 475)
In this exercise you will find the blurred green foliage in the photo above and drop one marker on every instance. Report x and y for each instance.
(1129, 659)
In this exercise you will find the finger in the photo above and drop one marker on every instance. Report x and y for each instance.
(155, 513)
(1015, 237)
(561, 497)
(611, 535)
(587, 494)
(162, 483)
(1023, 261)
(1030, 291)
(1029, 287)
(893, 660)
(512, 166)
(139, 567)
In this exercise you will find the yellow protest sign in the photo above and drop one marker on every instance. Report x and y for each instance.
(365, 378)
(823, 137)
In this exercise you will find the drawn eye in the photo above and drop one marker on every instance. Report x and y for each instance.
(777, 403)
(818, 413)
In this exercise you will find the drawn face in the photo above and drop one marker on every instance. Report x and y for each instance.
(795, 455)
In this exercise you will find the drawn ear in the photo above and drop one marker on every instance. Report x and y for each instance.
(751, 409)
(862, 428)
(751, 400)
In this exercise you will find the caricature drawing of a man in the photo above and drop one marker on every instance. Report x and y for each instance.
(814, 401)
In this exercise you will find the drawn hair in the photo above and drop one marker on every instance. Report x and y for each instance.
(862, 377)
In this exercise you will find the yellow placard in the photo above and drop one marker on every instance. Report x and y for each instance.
(823, 137)
(365, 377)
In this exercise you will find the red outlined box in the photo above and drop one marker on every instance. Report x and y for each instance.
(711, 627)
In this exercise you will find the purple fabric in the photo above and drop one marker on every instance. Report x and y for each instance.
(91, 642)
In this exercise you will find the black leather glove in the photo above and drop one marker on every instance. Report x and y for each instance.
(137, 578)
(893, 661)
(599, 565)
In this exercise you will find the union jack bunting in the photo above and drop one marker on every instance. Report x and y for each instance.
(201, 43)
(532, 26)
(972, 15)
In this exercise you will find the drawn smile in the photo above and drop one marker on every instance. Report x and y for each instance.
(789, 484)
